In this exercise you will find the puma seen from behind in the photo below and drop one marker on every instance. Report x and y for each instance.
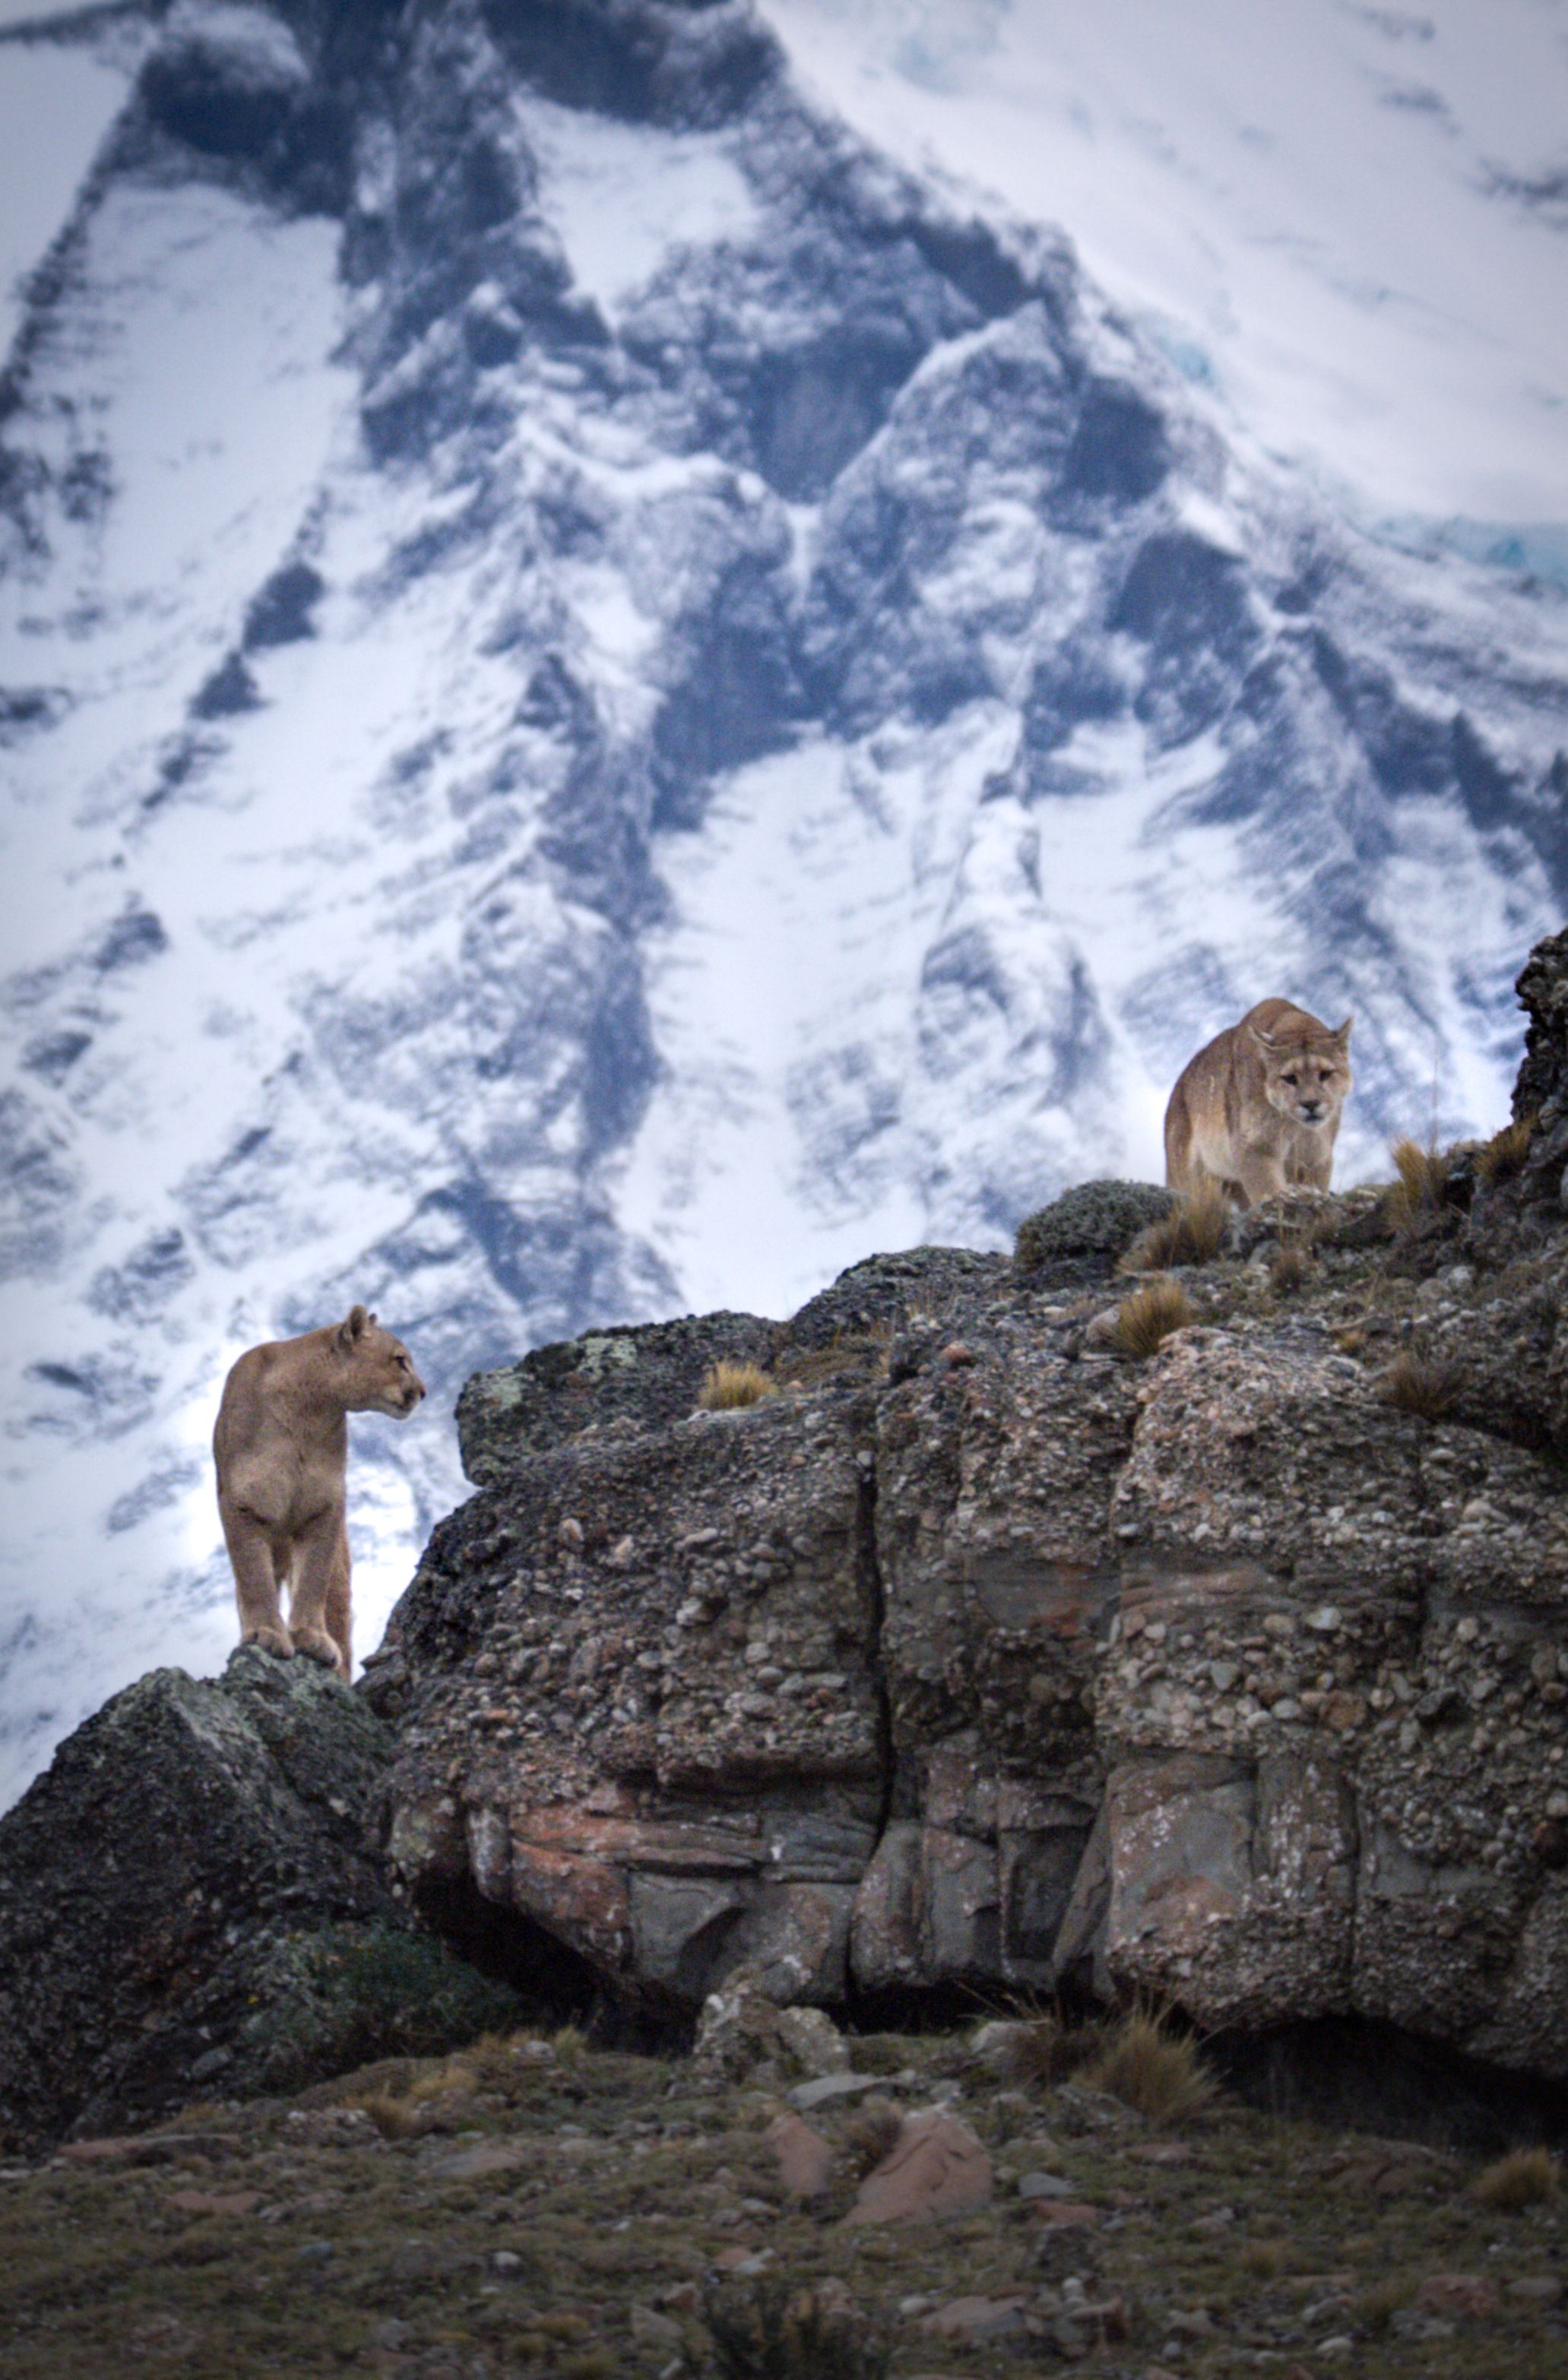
(1257, 1111)
(281, 1447)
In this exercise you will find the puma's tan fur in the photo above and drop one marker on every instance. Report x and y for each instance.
(281, 1447)
(1260, 1108)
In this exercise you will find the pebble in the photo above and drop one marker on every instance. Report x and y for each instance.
(1043, 2185)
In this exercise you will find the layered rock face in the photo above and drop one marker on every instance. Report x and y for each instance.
(977, 1657)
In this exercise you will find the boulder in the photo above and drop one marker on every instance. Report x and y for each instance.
(190, 1904)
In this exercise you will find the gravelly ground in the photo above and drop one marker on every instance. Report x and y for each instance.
(545, 2208)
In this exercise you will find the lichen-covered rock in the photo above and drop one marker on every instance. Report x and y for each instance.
(1093, 1220)
(188, 1900)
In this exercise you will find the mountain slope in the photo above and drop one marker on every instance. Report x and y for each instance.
(608, 701)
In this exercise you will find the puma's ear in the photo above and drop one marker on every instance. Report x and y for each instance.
(1264, 1041)
(1342, 1033)
(347, 1332)
(374, 1320)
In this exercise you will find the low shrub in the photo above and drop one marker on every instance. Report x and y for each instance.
(1192, 1232)
(727, 1385)
(1147, 1317)
(770, 2328)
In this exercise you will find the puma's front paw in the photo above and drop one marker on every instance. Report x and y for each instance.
(320, 1646)
(271, 1640)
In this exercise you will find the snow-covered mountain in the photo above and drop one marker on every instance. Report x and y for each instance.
(609, 699)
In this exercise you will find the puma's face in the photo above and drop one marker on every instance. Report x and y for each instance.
(1307, 1085)
(380, 1371)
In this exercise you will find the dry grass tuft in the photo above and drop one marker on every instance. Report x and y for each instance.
(1265, 2259)
(1149, 1317)
(394, 2120)
(1498, 1158)
(728, 1385)
(1524, 2177)
(1290, 1265)
(1192, 1232)
(1154, 2069)
(570, 2045)
(1418, 1386)
(872, 2133)
(1421, 1178)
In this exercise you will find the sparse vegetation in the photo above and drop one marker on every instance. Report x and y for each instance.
(565, 2216)
(771, 2328)
(1419, 1185)
(727, 1385)
(1153, 2068)
(1498, 1158)
(1418, 1386)
(1524, 2177)
(1192, 1232)
(1147, 1317)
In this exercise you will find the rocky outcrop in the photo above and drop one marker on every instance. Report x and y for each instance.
(982, 1658)
(189, 1906)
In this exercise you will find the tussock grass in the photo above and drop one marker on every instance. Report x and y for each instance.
(1150, 2067)
(1418, 1386)
(1524, 2177)
(872, 2133)
(1192, 1232)
(1420, 1179)
(1147, 1317)
(1498, 1158)
(727, 1385)
(1265, 2259)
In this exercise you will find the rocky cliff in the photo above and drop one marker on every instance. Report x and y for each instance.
(978, 1654)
